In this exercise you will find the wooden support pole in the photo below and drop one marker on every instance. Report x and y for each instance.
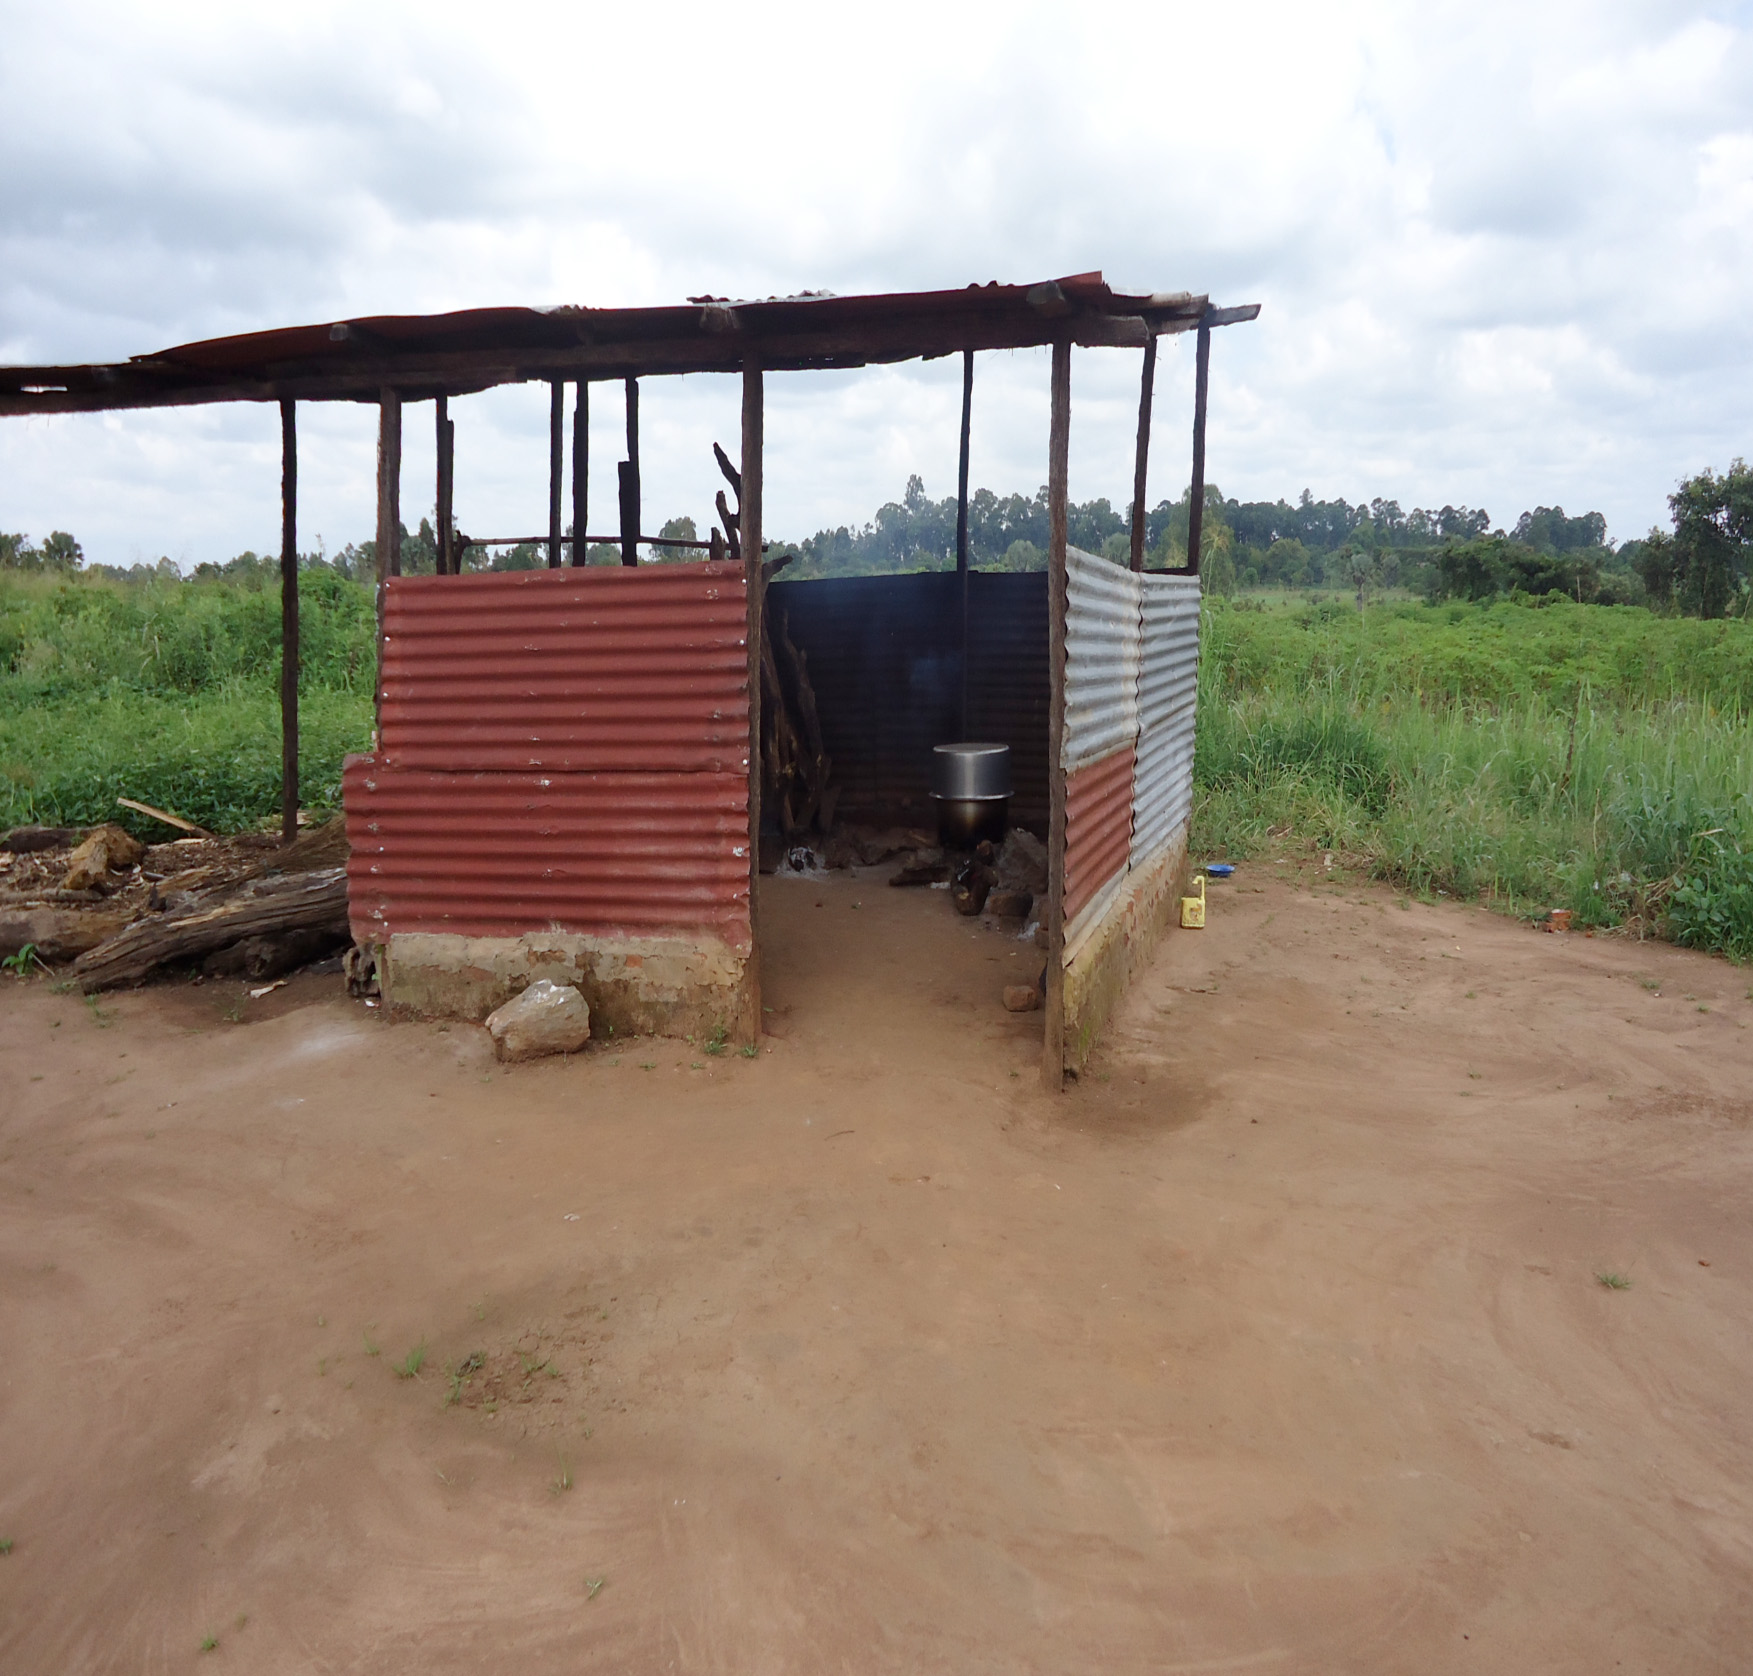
(749, 530)
(1058, 465)
(389, 484)
(556, 467)
(630, 479)
(389, 514)
(288, 621)
(444, 438)
(962, 520)
(1196, 504)
(580, 471)
(1146, 389)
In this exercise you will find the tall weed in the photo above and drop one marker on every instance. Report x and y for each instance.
(1624, 802)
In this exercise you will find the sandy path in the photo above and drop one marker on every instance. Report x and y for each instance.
(1275, 1345)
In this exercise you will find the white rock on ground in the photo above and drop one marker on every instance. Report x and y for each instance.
(547, 1017)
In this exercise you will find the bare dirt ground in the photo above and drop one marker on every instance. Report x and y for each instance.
(1274, 1345)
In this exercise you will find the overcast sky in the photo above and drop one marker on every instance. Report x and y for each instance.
(1505, 251)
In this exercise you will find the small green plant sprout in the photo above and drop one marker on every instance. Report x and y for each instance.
(1654, 985)
(1614, 1281)
(715, 1042)
(98, 1016)
(748, 1050)
(695, 1065)
(19, 964)
(563, 1479)
(648, 1064)
(209, 1643)
(372, 1347)
(409, 1365)
(5, 1545)
(461, 1374)
(594, 1584)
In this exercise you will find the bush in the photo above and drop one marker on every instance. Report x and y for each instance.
(1712, 906)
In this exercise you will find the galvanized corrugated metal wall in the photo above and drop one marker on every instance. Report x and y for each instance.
(1168, 695)
(1101, 728)
(884, 659)
(1101, 658)
(560, 749)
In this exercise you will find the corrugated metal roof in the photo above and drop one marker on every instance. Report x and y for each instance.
(1101, 659)
(1098, 827)
(501, 854)
(472, 349)
(1168, 699)
(571, 670)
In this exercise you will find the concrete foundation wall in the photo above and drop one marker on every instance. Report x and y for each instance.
(636, 986)
(1146, 904)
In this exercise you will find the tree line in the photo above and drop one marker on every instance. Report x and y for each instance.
(1702, 566)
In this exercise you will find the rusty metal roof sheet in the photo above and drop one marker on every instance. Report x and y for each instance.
(599, 667)
(472, 349)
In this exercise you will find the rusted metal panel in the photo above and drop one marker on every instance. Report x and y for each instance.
(1098, 830)
(568, 671)
(502, 854)
(1101, 659)
(1162, 798)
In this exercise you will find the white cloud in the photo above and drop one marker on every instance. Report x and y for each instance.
(1504, 250)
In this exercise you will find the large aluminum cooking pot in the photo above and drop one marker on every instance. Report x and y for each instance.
(970, 784)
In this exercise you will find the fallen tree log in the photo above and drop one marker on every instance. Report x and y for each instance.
(262, 908)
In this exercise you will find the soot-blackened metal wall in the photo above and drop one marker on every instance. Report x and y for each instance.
(884, 655)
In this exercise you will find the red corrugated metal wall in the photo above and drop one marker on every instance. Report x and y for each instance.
(560, 749)
(1098, 826)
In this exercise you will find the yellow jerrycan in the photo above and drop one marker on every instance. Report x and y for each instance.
(1193, 908)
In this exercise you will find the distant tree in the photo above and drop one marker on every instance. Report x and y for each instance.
(1703, 569)
(1547, 530)
(678, 529)
(61, 552)
(1488, 566)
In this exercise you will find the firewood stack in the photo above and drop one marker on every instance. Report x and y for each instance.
(794, 765)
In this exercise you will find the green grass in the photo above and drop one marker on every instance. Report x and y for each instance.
(169, 694)
(411, 1363)
(1513, 779)
(1613, 1281)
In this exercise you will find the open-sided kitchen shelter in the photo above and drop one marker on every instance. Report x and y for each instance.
(567, 775)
